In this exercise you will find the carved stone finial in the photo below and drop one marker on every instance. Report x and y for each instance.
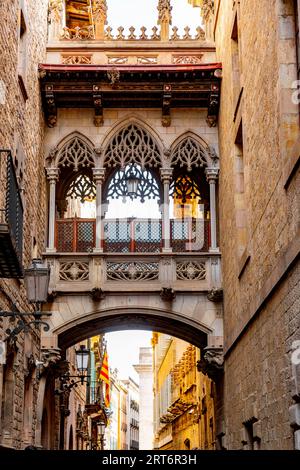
(55, 9)
(164, 12)
(164, 18)
(208, 8)
(100, 11)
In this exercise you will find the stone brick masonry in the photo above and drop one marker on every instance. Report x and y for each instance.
(258, 360)
(21, 131)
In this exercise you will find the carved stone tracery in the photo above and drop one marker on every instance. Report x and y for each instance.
(190, 153)
(74, 271)
(147, 187)
(82, 187)
(75, 153)
(136, 271)
(132, 144)
(191, 271)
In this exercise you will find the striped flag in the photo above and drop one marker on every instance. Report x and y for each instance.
(104, 377)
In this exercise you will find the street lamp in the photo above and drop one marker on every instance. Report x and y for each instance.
(36, 279)
(82, 364)
(82, 361)
(101, 431)
(132, 182)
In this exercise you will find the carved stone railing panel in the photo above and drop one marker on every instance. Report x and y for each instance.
(191, 270)
(132, 271)
(78, 34)
(73, 271)
(122, 273)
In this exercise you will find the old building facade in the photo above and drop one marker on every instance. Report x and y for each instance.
(184, 405)
(215, 119)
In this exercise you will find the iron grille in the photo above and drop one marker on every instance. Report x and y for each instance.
(11, 225)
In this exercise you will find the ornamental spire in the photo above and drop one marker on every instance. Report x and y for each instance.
(164, 18)
(99, 10)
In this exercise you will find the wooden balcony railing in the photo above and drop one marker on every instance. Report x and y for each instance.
(132, 235)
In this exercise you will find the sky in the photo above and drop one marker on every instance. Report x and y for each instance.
(139, 13)
(123, 351)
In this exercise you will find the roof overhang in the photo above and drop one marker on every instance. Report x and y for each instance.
(123, 86)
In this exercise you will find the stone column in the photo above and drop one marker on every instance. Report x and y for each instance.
(99, 18)
(164, 19)
(98, 178)
(212, 176)
(166, 176)
(56, 14)
(52, 176)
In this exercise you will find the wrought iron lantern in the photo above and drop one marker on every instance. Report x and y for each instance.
(132, 182)
(36, 279)
(82, 361)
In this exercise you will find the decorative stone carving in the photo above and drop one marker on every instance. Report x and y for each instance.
(113, 76)
(147, 60)
(190, 271)
(81, 187)
(200, 36)
(189, 153)
(187, 36)
(164, 12)
(49, 358)
(175, 36)
(131, 33)
(143, 35)
(117, 60)
(78, 33)
(215, 295)
(155, 34)
(108, 34)
(97, 294)
(135, 271)
(55, 9)
(208, 7)
(132, 144)
(73, 271)
(100, 11)
(120, 36)
(75, 153)
(212, 363)
(167, 294)
(188, 59)
(76, 60)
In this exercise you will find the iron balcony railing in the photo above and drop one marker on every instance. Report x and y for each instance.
(11, 223)
(132, 235)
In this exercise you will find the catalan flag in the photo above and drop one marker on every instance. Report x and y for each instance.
(104, 377)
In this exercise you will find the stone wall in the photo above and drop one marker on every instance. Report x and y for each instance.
(259, 192)
(22, 131)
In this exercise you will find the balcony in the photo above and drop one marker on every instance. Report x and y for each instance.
(11, 223)
(131, 235)
(134, 272)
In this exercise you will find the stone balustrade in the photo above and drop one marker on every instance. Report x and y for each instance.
(133, 272)
(88, 33)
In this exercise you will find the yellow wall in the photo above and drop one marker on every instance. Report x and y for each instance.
(191, 394)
